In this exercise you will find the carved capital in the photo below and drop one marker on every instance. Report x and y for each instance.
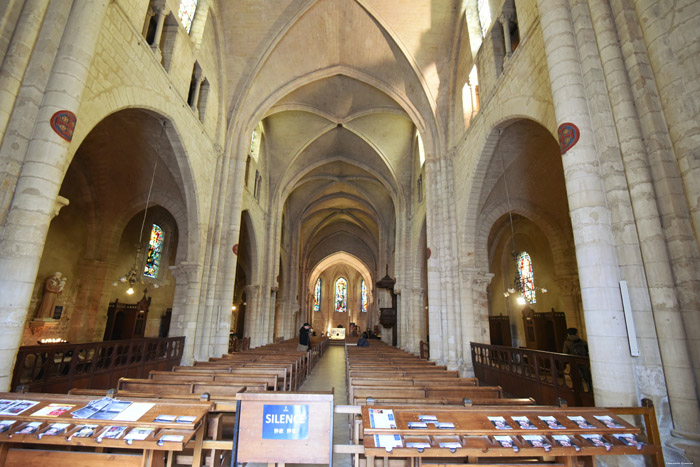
(186, 272)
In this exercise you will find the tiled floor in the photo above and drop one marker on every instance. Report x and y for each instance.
(329, 374)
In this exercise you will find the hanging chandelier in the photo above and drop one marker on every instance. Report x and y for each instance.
(135, 274)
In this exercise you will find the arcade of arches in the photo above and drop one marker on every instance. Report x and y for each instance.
(278, 143)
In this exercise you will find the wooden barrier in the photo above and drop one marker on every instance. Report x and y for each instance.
(56, 368)
(546, 376)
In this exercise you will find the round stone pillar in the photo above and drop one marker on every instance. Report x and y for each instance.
(599, 275)
(24, 232)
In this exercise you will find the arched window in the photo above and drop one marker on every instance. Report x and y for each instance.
(527, 278)
(255, 140)
(364, 297)
(484, 16)
(421, 149)
(186, 13)
(155, 250)
(317, 295)
(341, 295)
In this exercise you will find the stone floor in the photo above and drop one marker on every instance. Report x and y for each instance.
(329, 373)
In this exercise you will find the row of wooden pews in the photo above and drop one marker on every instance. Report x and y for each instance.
(275, 367)
(384, 374)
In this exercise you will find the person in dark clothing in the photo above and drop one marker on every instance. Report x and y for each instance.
(574, 345)
(362, 341)
(304, 337)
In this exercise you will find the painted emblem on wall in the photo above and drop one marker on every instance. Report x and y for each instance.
(235, 249)
(63, 123)
(568, 136)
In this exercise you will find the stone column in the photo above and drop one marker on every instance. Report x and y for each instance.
(505, 22)
(188, 276)
(443, 273)
(252, 314)
(161, 13)
(613, 376)
(24, 232)
(670, 329)
(475, 314)
(16, 60)
(198, 78)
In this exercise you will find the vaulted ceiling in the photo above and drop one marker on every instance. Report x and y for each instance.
(341, 87)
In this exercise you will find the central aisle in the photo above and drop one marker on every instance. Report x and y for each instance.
(329, 373)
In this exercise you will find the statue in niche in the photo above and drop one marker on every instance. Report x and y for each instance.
(52, 288)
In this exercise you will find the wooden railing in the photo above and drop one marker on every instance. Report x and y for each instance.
(545, 376)
(57, 368)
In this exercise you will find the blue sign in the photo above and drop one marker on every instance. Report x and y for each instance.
(285, 422)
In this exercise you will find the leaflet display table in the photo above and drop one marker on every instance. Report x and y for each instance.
(469, 436)
(22, 446)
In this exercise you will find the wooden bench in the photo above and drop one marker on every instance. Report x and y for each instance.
(282, 374)
(150, 386)
(444, 393)
(244, 379)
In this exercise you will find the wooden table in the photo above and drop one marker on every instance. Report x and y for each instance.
(68, 450)
(475, 434)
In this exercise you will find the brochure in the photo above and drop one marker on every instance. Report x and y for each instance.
(18, 407)
(597, 440)
(565, 441)
(418, 442)
(5, 425)
(428, 418)
(53, 410)
(138, 433)
(608, 421)
(186, 419)
(381, 418)
(444, 425)
(450, 444)
(29, 428)
(54, 429)
(500, 423)
(417, 425)
(524, 423)
(93, 407)
(112, 432)
(580, 421)
(165, 418)
(83, 431)
(5, 403)
(388, 442)
(172, 438)
(537, 441)
(628, 439)
(506, 442)
(552, 422)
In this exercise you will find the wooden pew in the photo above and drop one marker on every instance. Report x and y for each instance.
(445, 393)
(288, 377)
(244, 379)
(149, 386)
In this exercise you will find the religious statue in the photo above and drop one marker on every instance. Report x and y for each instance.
(52, 288)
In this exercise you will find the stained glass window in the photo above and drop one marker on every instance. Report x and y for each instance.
(186, 13)
(364, 297)
(527, 278)
(155, 249)
(341, 295)
(317, 295)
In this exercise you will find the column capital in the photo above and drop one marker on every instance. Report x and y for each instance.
(186, 271)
